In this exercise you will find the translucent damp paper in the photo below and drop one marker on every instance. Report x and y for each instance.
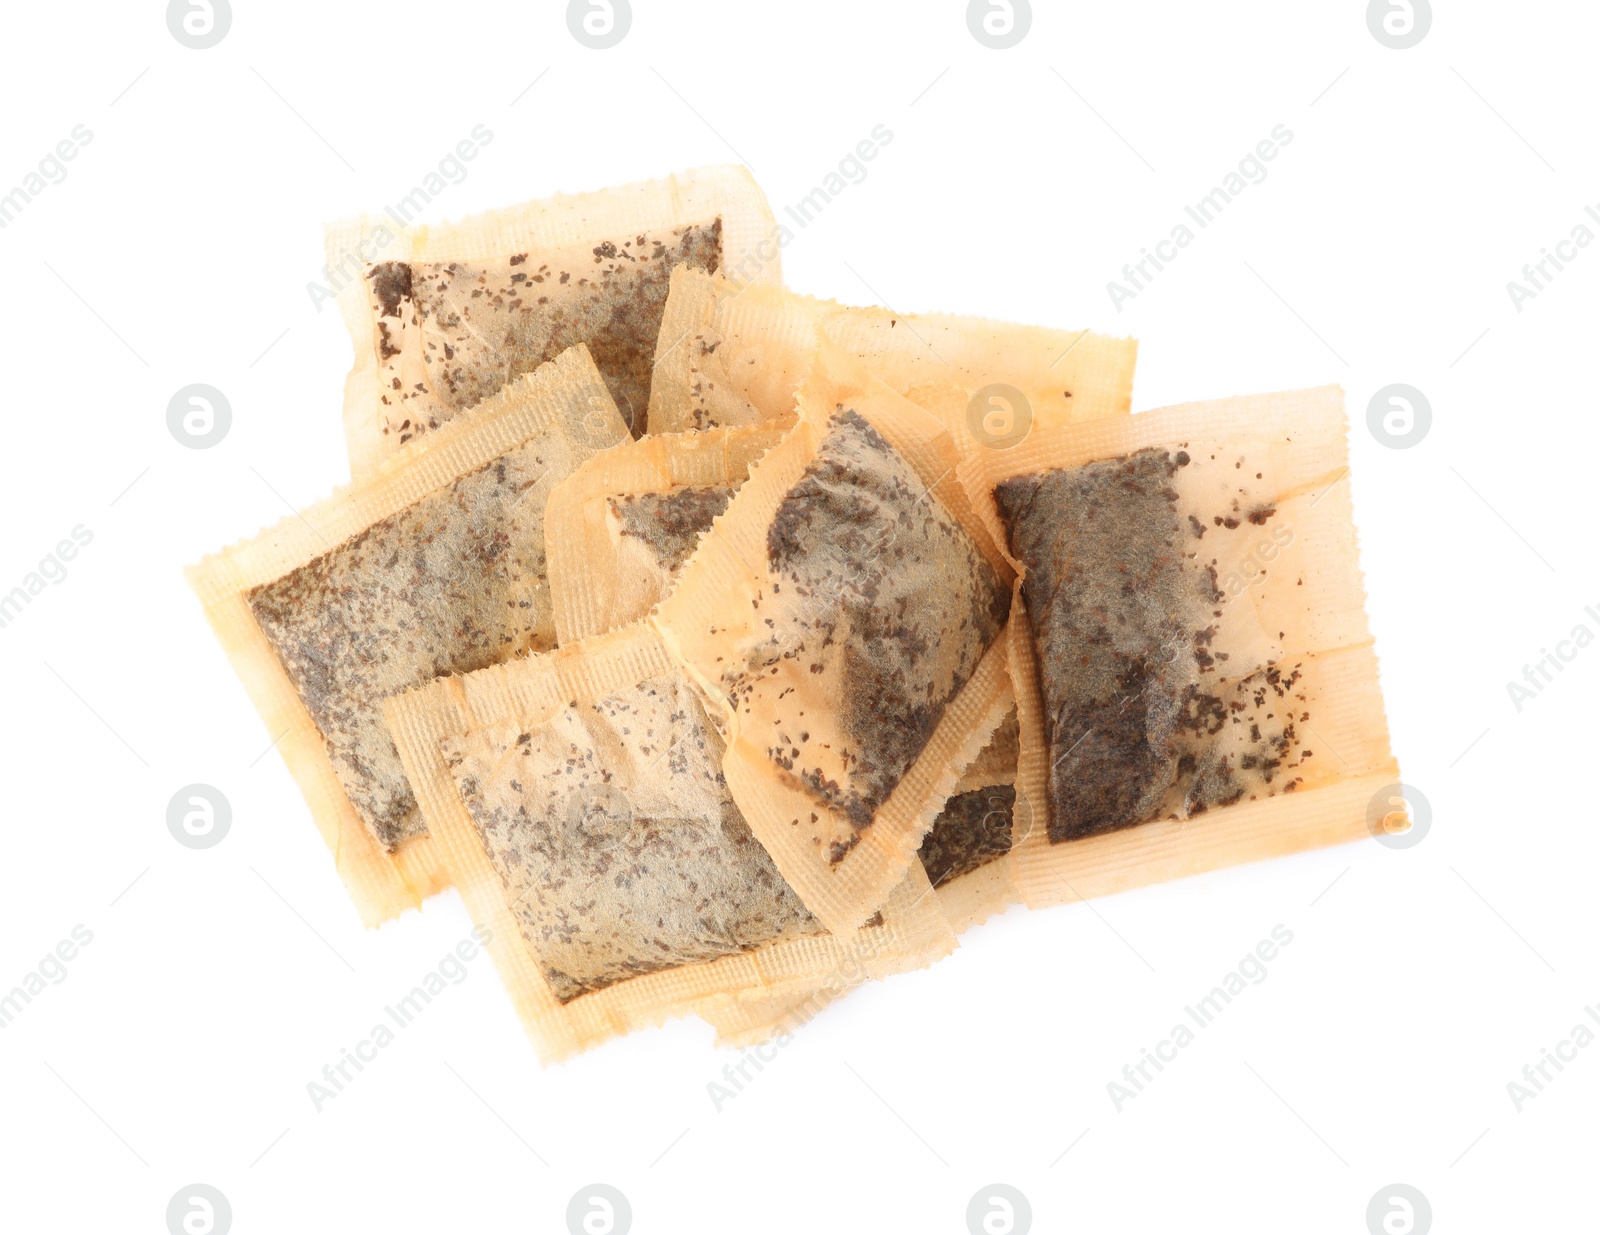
(732, 353)
(442, 317)
(844, 616)
(578, 804)
(1195, 679)
(435, 563)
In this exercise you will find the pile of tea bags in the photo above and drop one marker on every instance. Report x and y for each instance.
(726, 647)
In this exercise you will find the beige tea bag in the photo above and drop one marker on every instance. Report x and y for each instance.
(736, 354)
(620, 528)
(844, 614)
(1195, 680)
(434, 564)
(579, 805)
(442, 317)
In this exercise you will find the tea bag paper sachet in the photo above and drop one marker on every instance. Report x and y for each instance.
(578, 802)
(843, 616)
(434, 564)
(619, 530)
(1196, 684)
(737, 354)
(442, 316)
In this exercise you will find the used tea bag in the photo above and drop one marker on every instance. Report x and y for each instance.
(434, 564)
(736, 354)
(1195, 678)
(579, 803)
(619, 529)
(843, 615)
(443, 316)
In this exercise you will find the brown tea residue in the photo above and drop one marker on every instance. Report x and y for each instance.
(451, 584)
(669, 525)
(881, 600)
(451, 334)
(972, 830)
(621, 851)
(1144, 716)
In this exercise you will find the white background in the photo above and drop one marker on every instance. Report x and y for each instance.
(219, 982)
